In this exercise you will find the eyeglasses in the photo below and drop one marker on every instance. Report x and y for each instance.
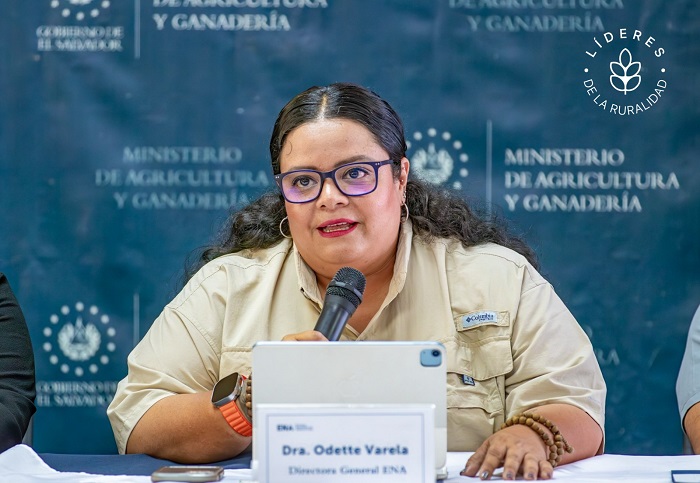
(352, 179)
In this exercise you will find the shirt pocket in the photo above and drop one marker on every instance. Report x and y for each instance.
(478, 358)
(476, 372)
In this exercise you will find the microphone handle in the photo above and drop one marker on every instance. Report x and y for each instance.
(335, 314)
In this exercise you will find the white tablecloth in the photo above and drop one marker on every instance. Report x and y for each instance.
(21, 464)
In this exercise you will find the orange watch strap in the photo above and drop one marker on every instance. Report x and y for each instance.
(235, 419)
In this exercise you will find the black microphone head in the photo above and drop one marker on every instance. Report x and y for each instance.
(348, 283)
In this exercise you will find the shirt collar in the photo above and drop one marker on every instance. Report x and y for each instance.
(307, 277)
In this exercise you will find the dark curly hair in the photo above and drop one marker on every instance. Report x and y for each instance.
(434, 211)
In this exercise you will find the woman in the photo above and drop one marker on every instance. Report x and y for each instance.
(434, 271)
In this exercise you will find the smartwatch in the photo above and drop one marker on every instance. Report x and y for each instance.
(229, 396)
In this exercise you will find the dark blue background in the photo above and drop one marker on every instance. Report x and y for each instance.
(631, 279)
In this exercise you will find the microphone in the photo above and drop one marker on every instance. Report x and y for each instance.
(343, 295)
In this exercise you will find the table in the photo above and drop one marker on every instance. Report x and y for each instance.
(128, 464)
(21, 464)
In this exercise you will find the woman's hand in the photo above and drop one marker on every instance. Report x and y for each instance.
(519, 449)
(307, 335)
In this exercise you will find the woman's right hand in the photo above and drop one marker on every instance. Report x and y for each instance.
(307, 335)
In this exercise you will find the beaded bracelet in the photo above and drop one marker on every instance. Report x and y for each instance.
(249, 396)
(534, 421)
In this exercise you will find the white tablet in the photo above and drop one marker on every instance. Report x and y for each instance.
(386, 372)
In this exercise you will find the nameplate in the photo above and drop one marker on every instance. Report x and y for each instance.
(344, 443)
(685, 476)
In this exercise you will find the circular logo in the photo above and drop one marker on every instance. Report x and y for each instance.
(624, 72)
(434, 158)
(79, 339)
(80, 9)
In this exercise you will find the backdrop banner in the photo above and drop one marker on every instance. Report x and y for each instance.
(129, 129)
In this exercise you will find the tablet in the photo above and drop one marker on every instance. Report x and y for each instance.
(386, 372)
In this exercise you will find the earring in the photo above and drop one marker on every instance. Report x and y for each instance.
(281, 231)
(404, 205)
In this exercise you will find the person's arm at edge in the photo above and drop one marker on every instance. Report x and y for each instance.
(17, 386)
(691, 426)
(687, 389)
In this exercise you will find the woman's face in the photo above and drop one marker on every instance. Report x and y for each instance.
(336, 230)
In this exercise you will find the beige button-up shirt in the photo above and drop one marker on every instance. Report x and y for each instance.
(511, 342)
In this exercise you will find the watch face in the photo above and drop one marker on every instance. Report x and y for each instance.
(224, 389)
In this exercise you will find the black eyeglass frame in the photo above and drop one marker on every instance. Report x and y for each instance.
(331, 174)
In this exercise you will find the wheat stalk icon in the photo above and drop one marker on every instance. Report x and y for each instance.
(625, 73)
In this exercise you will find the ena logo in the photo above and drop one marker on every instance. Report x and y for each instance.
(625, 72)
